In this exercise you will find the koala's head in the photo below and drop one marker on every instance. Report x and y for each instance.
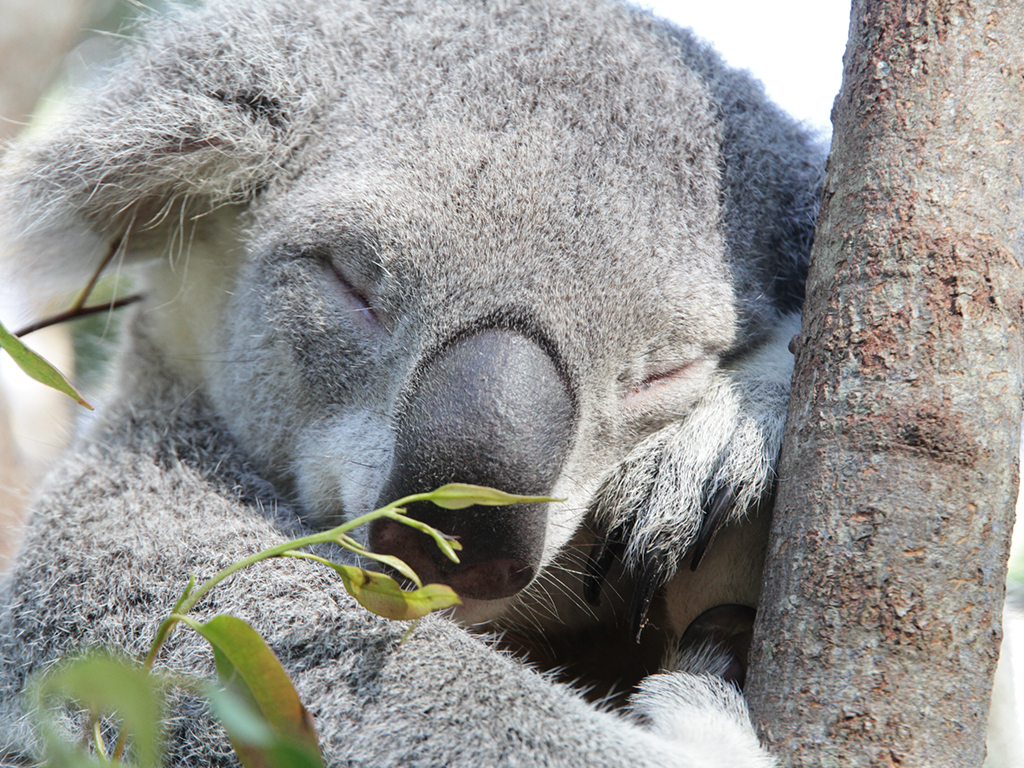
(405, 244)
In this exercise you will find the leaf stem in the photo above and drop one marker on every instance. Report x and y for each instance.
(97, 737)
(336, 535)
(87, 291)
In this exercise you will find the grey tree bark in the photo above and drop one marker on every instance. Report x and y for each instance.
(879, 628)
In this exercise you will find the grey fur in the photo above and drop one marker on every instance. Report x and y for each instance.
(326, 196)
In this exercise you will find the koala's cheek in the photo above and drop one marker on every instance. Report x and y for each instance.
(565, 517)
(340, 467)
(255, 393)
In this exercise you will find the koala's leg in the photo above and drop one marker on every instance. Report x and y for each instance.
(704, 711)
(708, 659)
(668, 499)
(584, 644)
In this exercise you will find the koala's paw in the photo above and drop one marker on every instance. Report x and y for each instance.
(703, 713)
(677, 487)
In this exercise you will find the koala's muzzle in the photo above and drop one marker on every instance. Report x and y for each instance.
(492, 409)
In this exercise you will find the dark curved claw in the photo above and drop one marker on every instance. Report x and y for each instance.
(648, 582)
(715, 512)
(602, 556)
(731, 627)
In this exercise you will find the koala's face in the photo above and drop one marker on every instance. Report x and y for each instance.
(468, 244)
(514, 309)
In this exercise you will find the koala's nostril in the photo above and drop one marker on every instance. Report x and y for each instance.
(491, 409)
(483, 579)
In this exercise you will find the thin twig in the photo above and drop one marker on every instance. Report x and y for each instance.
(78, 309)
(84, 295)
(76, 312)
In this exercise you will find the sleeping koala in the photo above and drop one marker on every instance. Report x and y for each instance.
(555, 247)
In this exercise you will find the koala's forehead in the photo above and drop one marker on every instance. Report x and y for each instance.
(551, 153)
(448, 194)
(596, 94)
(476, 222)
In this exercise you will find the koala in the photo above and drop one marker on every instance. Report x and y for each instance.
(552, 246)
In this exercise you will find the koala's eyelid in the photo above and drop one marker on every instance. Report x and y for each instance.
(358, 300)
(669, 389)
(661, 376)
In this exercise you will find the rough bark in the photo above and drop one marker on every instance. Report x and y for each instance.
(879, 628)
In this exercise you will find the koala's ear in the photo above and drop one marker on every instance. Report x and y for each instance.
(202, 114)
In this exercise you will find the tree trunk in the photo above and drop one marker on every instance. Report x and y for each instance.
(879, 627)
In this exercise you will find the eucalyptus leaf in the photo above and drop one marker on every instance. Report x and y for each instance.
(462, 495)
(102, 683)
(36, 366)
(446, 545)
(253, 736)
(250, 670)
(395, 562)
(62, 755)
(381, 594)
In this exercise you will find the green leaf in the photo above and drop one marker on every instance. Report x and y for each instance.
(395, 562)
(102, 684)
(260, 743)
(61, 755)
(381, 594)
(250, 670)
(36, 366)
(462, 495)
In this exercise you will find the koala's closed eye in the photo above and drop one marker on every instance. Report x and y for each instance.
(669, 392)
(353, 300)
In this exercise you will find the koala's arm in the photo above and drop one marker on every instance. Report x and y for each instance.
(156, 496)
(677, 487)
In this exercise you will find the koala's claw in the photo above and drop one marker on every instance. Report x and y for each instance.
(602, 555)
(716, 511)
(653, 565)
(648, 582)
(649, 579)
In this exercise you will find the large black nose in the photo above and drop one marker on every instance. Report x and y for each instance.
(491, 409)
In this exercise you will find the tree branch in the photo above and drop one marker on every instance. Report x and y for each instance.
(76, 312)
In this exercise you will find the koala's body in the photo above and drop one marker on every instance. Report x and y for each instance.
(553, 247)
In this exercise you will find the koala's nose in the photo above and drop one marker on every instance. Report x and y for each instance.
(492, 409)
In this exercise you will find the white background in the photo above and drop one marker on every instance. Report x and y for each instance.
(795, 47)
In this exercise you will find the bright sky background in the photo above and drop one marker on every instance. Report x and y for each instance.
(795, 47)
